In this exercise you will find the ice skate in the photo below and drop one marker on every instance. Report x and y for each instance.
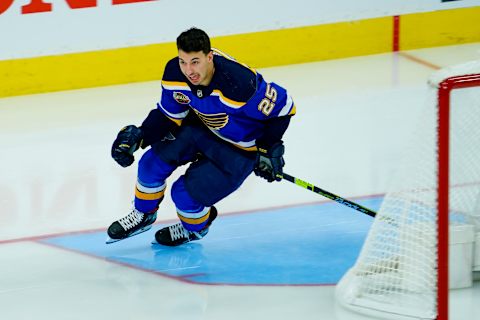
(176, 234)
(134, 223)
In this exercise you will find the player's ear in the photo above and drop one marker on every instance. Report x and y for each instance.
(210, 56)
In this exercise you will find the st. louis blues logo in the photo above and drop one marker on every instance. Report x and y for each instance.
(214, 121)
(181, 98)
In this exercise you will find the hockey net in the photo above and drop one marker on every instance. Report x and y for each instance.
(402, 269)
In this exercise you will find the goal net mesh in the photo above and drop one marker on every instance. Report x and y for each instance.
(395, 274)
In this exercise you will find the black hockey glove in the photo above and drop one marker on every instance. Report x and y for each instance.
(127, 142)
(270, 162)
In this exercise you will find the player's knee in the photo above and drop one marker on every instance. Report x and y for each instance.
(182, 199)
(150, 167)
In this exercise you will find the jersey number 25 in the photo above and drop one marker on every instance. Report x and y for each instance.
(267, 103)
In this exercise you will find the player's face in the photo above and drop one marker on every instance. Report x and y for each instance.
(196, 66)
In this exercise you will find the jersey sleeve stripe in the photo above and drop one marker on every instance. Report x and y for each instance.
(289, 108)
(293, 111)
(178, 122)
(177, 116)
(175, 85)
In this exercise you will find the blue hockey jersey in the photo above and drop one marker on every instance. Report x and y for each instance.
(234, 106)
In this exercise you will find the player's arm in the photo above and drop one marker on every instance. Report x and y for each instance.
(159, 124)
(274, 131)
(270, 162)
(156, 127)
(276, 107)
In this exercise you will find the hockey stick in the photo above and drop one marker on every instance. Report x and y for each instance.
(327, 194)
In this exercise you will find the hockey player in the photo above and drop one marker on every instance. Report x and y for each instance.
(215, 114)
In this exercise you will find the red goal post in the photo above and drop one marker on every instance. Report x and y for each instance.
(445, 88)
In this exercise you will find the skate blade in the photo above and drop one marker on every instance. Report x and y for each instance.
(110, 240)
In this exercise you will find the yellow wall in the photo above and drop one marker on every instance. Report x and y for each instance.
(262, 49)
(440, 28)
(306, 44)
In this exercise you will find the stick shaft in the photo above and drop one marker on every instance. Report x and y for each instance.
(327, 194)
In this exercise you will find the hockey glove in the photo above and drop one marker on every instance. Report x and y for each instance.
(270, 162)
(127, 142)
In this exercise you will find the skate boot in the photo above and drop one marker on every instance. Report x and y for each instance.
(176, 234)
(134, 223)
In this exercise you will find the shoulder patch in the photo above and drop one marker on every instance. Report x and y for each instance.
(181, 98)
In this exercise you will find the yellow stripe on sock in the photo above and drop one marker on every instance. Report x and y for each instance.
(194, 220)
(149, 196)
